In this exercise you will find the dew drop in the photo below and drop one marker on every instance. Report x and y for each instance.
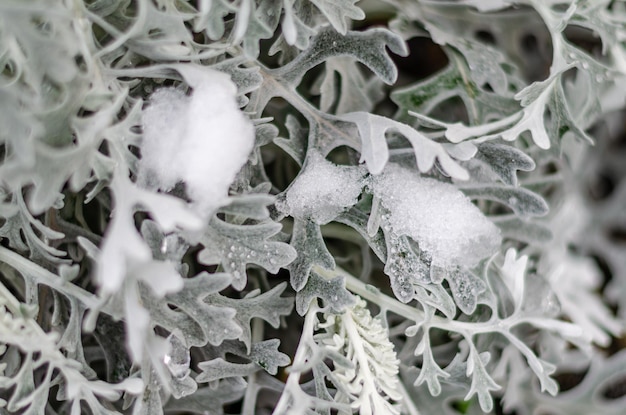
(585, 65)
(164, 246)
(272, 261)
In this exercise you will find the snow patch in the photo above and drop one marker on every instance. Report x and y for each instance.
(323, 189)
(441, 219)
(202, 140)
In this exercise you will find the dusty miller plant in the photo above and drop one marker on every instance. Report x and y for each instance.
(243, 206)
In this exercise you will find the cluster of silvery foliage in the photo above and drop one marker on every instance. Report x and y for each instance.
(241, 206)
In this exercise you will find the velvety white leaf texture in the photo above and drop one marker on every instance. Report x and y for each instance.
(312, 207)
(371, 381)
(375, 153)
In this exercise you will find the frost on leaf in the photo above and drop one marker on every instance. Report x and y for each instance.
(312, 355)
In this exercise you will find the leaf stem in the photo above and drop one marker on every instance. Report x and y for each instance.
(32, 271)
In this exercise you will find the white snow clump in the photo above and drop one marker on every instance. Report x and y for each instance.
(202, 140)
(441, 219)
(323, 189)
